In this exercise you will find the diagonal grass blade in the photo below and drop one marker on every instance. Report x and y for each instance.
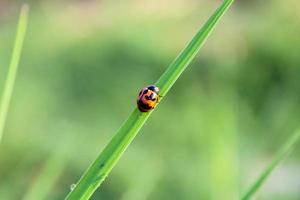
(286, 149)
(101, 167)
(13, 67)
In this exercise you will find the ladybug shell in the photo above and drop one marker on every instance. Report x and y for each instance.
(147, 99)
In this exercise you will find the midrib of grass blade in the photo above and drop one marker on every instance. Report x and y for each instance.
(101, 167)
(13, 67)
(285, 150)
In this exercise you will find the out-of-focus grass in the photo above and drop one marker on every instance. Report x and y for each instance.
(47, 178)
(143, 183)
(221, 124)
(65, 93)
(286, 149)
(13, 67)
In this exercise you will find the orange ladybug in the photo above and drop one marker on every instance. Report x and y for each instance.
(148, 98)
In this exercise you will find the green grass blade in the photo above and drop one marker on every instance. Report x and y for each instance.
(286, 149)
(42, 185)
(13, 67)
(101, 167)
(186, 56)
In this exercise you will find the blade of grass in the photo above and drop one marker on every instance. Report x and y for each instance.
(285, 150)
(49, 175)
(13, 67)
(101, 167)
(167, 80)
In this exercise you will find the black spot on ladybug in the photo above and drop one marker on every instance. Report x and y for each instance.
(153, 88)
(145, 91)
(146, 106)
(143, 105)
(147, 97)
(151, 96)
(154, 99)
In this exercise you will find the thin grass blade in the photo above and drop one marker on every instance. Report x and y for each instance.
(13, 67)
(42, 185)
(176, 68)
(286, 149)
(101, 167)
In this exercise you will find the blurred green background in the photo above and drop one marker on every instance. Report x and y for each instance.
(83, 64)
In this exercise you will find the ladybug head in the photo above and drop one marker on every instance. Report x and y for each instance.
(153, 88)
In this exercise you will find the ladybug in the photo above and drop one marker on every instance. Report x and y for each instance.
(148, 98)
